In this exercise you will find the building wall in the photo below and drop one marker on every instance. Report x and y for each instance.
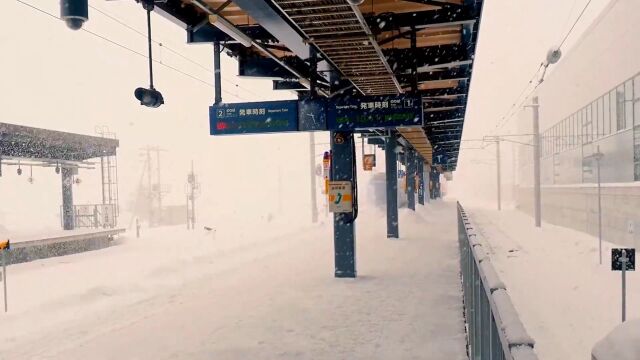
(590, 100)
(576, 207)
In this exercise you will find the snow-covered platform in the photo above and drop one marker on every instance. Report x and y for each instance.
(195, 295)
(565, 298)
(58, 243)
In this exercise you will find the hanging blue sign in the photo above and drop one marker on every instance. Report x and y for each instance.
(253, 117)
(367, 112)
(440, 158)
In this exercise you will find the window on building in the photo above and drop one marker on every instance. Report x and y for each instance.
(620, 121)
(579, 127)
(613, 110)
(636, 97)
(599, 118)
(607, 115)
(588, 125)
(628, 108)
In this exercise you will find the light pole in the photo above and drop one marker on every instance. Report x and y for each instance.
(597, 156)
(498, 172)
(537, 203)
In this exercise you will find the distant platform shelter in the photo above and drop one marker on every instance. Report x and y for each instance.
(66, 152)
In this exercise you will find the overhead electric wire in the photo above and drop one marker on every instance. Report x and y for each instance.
(164, 46)
(507, 117)
(584, 9)
(124, 47)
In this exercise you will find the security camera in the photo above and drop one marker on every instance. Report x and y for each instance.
(74, 12)
(355, 2)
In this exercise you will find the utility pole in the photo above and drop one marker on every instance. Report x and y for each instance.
(498, 172)
(312, 174)
(536, 161)
(154, 192)
(149, 188)
(157, 150)
(597, 157)
(192, 186)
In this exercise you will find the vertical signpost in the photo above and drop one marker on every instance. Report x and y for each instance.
(4, 248)
(623, 260)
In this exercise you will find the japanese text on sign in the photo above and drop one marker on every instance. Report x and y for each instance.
(340, 197)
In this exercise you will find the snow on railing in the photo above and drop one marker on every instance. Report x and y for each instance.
(494, 329)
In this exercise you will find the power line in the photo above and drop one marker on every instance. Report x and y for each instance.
(124, 47)
(584, 9)
(507, 117)
(164, 46)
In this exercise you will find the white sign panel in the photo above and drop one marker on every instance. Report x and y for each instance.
(340, 197)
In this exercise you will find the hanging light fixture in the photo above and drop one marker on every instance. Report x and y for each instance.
(149, 97)
(30, 179)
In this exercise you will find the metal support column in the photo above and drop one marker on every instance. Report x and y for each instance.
(411, 179)
(537, 203)
(391, 161)
(216, 72)
(498, 176)
(344, 237)
(420, 180)
(67, 199)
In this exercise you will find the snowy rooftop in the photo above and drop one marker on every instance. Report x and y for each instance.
(17, 141)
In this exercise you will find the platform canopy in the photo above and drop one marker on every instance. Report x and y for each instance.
(23, 142)
(380, 47)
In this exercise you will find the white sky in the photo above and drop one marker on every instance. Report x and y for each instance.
(59, 79)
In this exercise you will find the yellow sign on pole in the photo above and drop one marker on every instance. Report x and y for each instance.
(368, 162)
(340, 197)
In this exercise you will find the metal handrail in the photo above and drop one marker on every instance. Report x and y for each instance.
(494, 329)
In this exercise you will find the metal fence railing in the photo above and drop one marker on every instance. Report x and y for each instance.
(494, 329)
(93, 216)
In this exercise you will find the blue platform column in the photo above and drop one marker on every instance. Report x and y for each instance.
(67, 199)
(420, 180)
(344, 237)
(411, 179)
(391, 160)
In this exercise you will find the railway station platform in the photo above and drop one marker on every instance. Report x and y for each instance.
(252, 298)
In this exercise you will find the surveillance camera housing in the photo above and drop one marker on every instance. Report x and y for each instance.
(74, 23)
(74, 13)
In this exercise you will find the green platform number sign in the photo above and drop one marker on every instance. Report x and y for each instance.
(370, 112)
(254, 117)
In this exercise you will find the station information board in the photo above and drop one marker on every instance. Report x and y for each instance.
(364, 112)
(349, 113)
(253, 117)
